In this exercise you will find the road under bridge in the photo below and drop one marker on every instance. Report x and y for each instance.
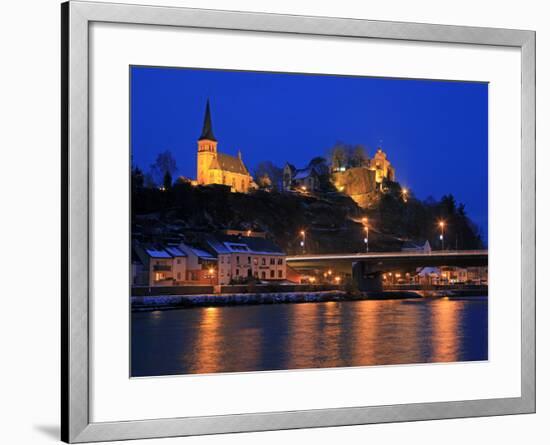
(367, 268)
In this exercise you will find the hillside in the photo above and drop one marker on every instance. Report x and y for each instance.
(332, 221)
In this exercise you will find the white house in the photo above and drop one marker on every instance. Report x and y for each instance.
(161, 265)
(243, 257)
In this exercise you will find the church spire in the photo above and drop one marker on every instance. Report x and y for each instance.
(207, 132)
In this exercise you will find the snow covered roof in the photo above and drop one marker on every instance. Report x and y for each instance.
(203, 254)
(224, 244)
(429, 271)
(175, 251)
(157, 252)
(304, 173)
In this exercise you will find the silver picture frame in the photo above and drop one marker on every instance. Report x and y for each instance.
(75, 395)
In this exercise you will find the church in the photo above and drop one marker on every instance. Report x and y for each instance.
(214, 167)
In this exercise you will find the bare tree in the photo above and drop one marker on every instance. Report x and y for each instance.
(165, 163)
(358, 156)
(338, 156)
(274, 173)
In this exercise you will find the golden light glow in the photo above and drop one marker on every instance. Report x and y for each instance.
(441, 224)
(302, 232)
(337, 279)
(330, 272)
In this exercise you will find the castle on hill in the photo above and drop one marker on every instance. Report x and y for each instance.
(214, 167)
(360, 182)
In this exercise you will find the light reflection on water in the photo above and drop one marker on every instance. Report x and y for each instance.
(308, 335)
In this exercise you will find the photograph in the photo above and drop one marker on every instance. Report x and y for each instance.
(287, 221)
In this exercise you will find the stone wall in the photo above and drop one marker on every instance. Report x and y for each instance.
(359, 183)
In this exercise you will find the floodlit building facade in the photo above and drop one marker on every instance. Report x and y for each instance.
(158, 265)
(241, 258)
(214, 167)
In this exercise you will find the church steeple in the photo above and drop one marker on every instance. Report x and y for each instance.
(207, 132)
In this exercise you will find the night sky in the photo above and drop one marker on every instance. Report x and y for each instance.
(434, 132)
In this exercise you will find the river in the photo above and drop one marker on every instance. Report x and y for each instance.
(308, 335)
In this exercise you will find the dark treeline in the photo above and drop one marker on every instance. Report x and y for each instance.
(409, 218)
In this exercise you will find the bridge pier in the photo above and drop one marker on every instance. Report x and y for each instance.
(366, 279)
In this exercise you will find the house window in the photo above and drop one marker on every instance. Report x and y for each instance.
(242, 185)
(272, 261)
(280, 274)
(263, 274)
(238, 259)
(272, 273)
(280, 261)
(178, 261)
(248, 260)
(255, 261)
(236, 271)
(263, 261)
(179, 276)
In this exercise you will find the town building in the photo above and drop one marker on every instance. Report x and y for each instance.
(243, 257)
(214, 167)
(382, 167)
(451, 275)
(304, 179)
(416, 246)
(201, 265)
(158, 265)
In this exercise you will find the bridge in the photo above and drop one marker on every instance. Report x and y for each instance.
(367, 268)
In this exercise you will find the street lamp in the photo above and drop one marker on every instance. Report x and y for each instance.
(303, 241)
(442, 234)
(405, 194)
(211, 275)
(366, 229)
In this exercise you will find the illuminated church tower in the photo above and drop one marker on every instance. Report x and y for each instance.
(219, 168)
(207, 148)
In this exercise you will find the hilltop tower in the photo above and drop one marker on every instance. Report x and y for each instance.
(214, 167)
(207, 148)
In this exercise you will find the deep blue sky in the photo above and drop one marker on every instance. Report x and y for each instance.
(434, 132)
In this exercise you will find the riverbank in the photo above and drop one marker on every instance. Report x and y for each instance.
(141, 303)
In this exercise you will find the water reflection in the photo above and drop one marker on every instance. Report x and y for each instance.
(308, 335)
(445, 333)
(208, 343)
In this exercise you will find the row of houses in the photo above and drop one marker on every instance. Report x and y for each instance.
(444, 275)
(218, 260)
